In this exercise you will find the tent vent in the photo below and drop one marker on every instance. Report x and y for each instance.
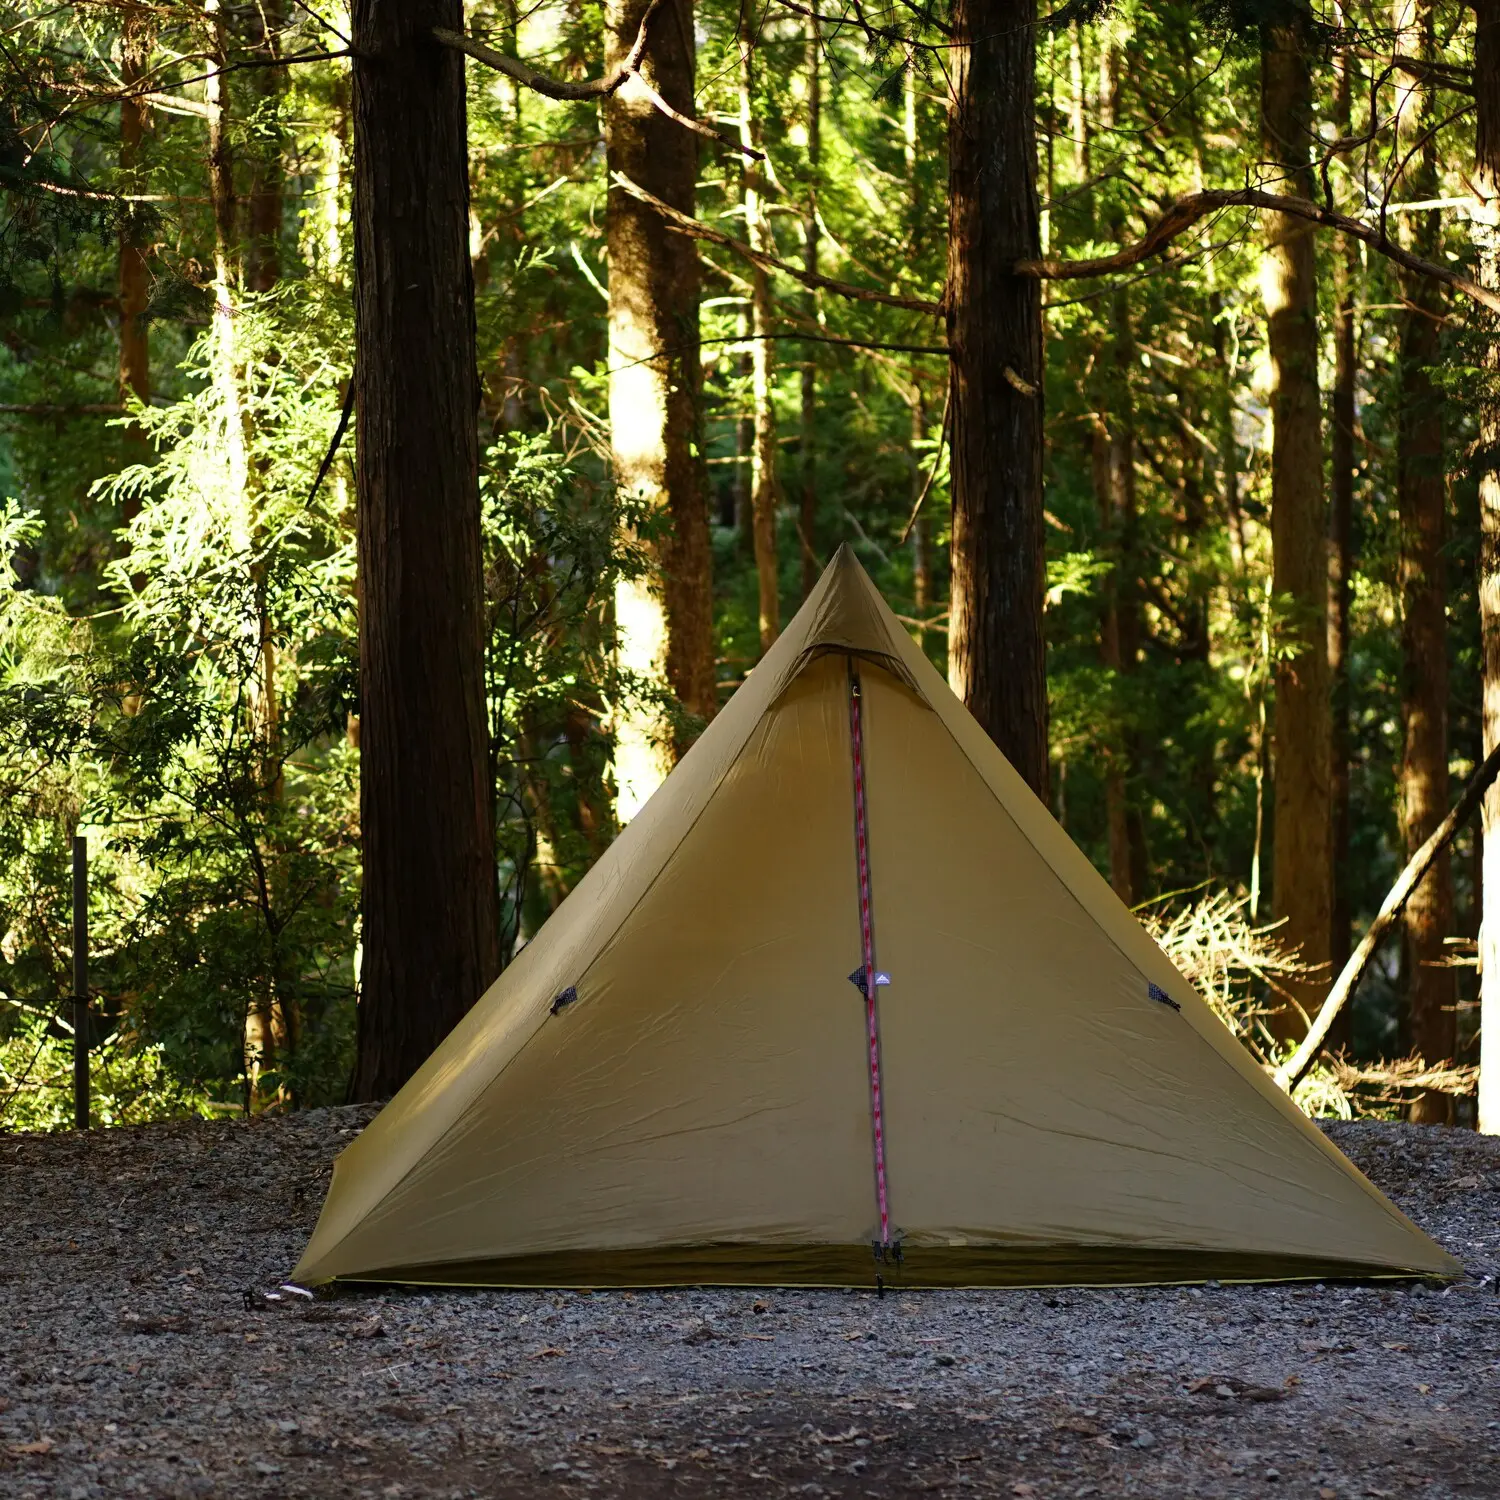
(1154, 990)
(564, 1000)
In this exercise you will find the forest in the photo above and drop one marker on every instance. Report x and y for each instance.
(417, 421)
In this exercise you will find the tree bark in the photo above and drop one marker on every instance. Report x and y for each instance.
(1421, 491)
(664, 622)
(1302, 873)
(1341, 547)
(812, 557)
(1115, 497)
(763, 416)
(228, 374)
(263, 262)
(1486, 221)
(431, 906)
(134, 278)
(996, 649)
(921, 526)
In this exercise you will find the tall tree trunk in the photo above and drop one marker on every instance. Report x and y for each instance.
(812, 557)
(1303, 835)
(921, 526)
(1114, 470)
(664, 622)
(431, 907)
(996, 650)
(228, 374)
(1421, 490)
(134, 280)
(1486, 221)
(1341, 550)
(263, 262)
(763, 446)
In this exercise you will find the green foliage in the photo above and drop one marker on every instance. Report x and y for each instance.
(178, 668)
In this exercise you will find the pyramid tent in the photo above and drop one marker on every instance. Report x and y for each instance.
(676, 1080)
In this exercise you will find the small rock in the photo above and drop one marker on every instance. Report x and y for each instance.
(943, 1359)
(1143, 1439)
(1272, 1475)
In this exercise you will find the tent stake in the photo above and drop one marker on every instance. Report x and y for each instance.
(883, 1248)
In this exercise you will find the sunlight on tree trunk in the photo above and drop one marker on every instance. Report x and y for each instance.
(664, 621)
(921, 528)
(1341, 547)
(1486, 222)
(134, 277)
(812, 558)
(763, 447)
(1421, 489)
(229, 380)
(1302, 885)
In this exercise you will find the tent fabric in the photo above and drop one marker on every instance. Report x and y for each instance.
(669, 1084)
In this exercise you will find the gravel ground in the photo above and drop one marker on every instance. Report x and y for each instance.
(139, 1356)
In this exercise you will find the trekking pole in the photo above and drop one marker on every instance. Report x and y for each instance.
(80, 982)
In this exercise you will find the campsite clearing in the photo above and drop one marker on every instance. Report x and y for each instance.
(138, 1357)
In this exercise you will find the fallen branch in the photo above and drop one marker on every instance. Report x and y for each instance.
(1183, 214)
(1292, 1072)
(696, 229)
(1405, 1075)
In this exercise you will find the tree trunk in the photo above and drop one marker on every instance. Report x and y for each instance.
(134, 280)
(763, 444)
(228, 376)
(921, 526)
(665, 622)
(1486, 221)
(1302, 875)
(1341, 548)
(263, 268)
(1115, 496)
(431, 906)
(1421, 491)
(812, 557)
(996, 649)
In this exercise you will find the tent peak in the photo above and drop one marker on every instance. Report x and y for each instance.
(845, 614)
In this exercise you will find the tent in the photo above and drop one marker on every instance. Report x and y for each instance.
(680, 1080)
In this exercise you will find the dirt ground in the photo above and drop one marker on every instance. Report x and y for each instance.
(139, 1356)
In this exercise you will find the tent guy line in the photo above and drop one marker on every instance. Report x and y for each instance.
(884, 1249)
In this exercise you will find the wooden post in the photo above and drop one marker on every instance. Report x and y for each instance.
(80, 982)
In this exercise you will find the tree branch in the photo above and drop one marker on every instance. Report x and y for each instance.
(56, 409)
(611, 82)
(541, 83)
(1186, 212)
(1440, 75)
(1292, 1072)
(696, 229)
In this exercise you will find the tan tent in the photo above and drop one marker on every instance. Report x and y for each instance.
(674, 1080)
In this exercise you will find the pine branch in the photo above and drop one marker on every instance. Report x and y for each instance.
(1186, 212)
(611, 82)
(696, 229)
(556, 88)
